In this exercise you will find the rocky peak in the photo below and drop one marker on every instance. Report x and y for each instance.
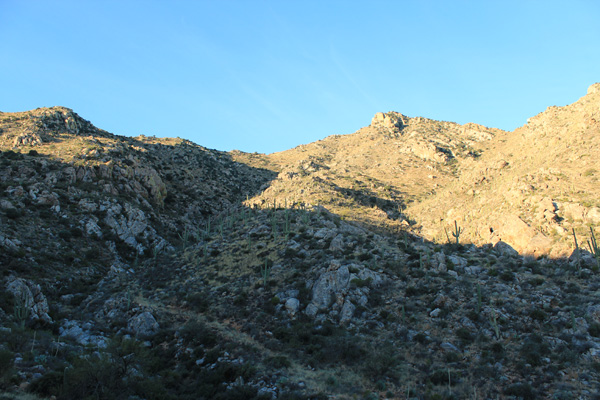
(43, 125)
(391, 121)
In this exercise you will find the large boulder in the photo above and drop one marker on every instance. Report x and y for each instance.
(81, 333)
(292, 305)
(143, 325)
(520, 236)
(329, 286)
(29, 295)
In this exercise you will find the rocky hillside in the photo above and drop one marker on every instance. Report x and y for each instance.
(372, 175)
(147, 268)
(530, 188)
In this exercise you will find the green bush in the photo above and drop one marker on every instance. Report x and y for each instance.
(93, 377)
(13, 213)
(444, 376)
(464, 335)
(198, 301)
(521, 390)
(538, 315)
(357, 282)
(48, 385)
(534, 349)
(6, 367)
(278, 362)
(507, 276)
(594, 329)
(382, 362)
(196, 332)
(11, 155)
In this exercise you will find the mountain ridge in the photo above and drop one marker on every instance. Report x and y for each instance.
(411, 256)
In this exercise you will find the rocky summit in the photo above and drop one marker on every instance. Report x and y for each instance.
(412, 259)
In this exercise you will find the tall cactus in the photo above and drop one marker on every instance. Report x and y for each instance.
(22, 309)
(457, 232)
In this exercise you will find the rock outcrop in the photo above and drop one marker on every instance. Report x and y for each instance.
(29, 300)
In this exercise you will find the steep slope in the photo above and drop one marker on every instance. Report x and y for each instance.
(531, 188)
(98, 199)
(371, 175)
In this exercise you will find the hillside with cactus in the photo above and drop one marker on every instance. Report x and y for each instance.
(413, 258)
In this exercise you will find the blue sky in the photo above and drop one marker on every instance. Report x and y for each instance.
(266, 76)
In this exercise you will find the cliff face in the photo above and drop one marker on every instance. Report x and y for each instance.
(395, 259)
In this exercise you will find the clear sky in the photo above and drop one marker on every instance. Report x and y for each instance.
(266, 76)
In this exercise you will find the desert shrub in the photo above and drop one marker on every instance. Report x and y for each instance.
(298, 396)
(241, 393)
(572, 287)
(48, 385)
(198, 301)
(507, 276)
(444, 376)
(18, 338)
(278, 362)
(464, 335)
(413, 291)
(13, 213)
(564, 355)
(538, 315)
(357, 282)
(151, 389)
(195, 331)
(7, 301)
(92, 254)
(594, 329)
(241, 299)
(6, 364)
(341, 349)
(421, 338)
(298, 334)
(119, 373)
(452, 356)
(382, 362)
(534, 349)
(497, 349)
(473, 315)
(65, 234)
(209, 383)
(536, 281)
(11, 155)
(93, 377)
(521, 390)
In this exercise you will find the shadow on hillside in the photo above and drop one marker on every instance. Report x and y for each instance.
(201, 184)
(125, 188)
(211, 180)
(368, 198)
